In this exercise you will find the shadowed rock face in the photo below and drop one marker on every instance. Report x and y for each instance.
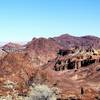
(74, 71)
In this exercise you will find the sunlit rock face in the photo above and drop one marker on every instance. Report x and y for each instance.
(42, 50)
(65, 63)
(16, 67)
(86, 42)
(77, 81)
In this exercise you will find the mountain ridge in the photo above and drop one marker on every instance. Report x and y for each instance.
(54, 62)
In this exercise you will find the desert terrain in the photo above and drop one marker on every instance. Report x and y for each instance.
(57, 68)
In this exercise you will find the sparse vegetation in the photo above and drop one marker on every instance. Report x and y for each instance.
(41, 92)
(37, 92)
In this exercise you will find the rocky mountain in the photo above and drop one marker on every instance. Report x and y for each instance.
(68, 65)
(42, 50)
(68, 41)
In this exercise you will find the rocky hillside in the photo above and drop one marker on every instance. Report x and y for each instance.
(42, 50)
(68, 41)
(63, 68)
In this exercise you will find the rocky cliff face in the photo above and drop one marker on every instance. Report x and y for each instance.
(69, 64)
(43, 50)
(76, 75)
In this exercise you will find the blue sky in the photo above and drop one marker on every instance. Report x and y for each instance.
(21, 20)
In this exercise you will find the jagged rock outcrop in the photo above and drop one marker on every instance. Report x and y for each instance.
(70, 64)
(80, 81)
(41, 50)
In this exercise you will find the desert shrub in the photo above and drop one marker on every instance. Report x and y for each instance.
(37, 92)
(9, 97)
(41, 92)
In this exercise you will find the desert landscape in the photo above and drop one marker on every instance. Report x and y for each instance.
(65, 67)
(49, 49)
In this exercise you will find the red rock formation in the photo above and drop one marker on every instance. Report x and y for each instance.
(11, 45)
(68, 41)
(17, 68)
(31, 65)
(42, 50)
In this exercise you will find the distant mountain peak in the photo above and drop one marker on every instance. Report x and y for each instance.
(65, 35)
